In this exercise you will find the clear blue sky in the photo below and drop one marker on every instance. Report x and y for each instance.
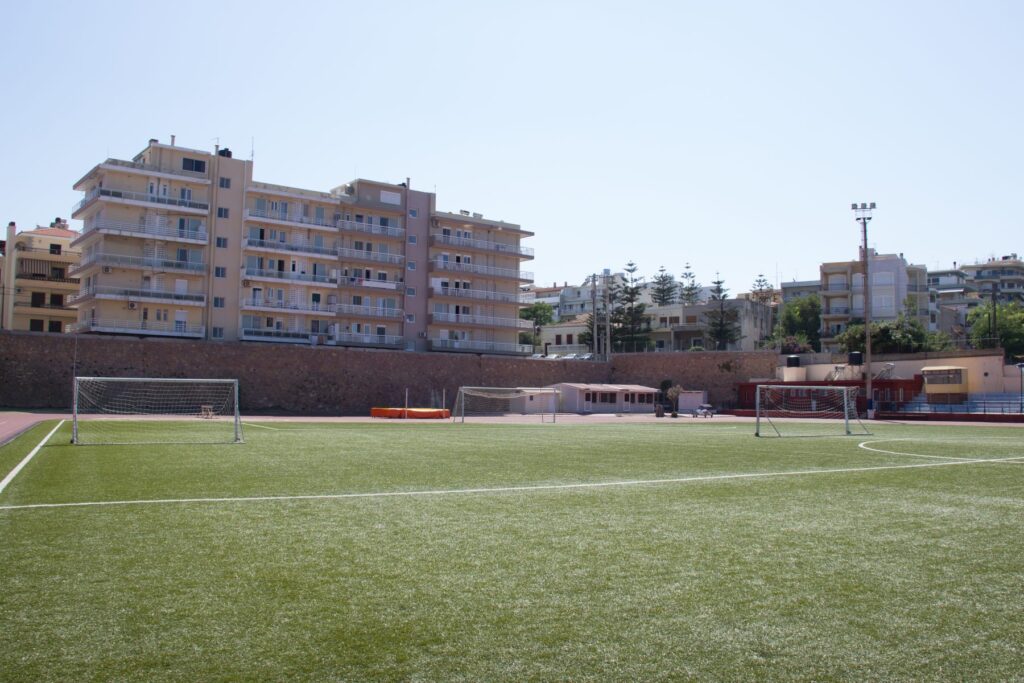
(731, 135)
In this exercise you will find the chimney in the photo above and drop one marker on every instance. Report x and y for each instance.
(154, 141)
(172, 141)
(408, 184)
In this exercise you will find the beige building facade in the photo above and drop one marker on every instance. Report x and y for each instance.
(185, 243)
(35, 285)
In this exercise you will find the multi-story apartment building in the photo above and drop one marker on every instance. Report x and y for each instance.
(34, 282)
(896, 287)
(678, 327)
(799, 288)
(184, 243)
(1005, 275)
(951, 296)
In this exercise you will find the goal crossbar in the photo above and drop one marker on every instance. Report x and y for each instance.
(114, 410)
(830, 404)
(503, 401)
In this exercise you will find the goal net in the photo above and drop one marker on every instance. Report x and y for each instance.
(505, 401)
(109, 410)
(826, 410)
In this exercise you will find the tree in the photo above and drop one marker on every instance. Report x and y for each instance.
(801, 319)
(630, 327)
(587, 336)
(1008, 332)
(763, 294)
(902, 335)
(723, 321)
(689, 288)
(665, 289)
(541, 314)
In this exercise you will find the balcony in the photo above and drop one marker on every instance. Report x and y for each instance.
(371, 256)
(281, 336)
(484, 320)
(157, 296)
(471, 346)
(838, 287)
(289, 276)
(295, 246)
(147, 169)
(479, 294)
(437, 239)
(292, 306)
(44, 277)
(369, 283)
(491, 271)
(143, 198)
(290, 219)
(143, 262)
(370, 311)
(52, 309)
(838, 310)
(154, 228)
(141, 327)
(371, 229)
(379, 340)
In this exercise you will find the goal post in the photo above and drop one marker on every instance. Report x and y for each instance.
(827, 409)
(135, 410)
(505, 401)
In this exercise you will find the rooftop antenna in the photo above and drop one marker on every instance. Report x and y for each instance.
(252, 149)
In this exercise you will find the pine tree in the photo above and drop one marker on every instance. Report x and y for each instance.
(665, 288)
(689, 288)
(763, 294)
(631, 328)
(723, 321)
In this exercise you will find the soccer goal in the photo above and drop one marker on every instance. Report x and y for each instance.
(123, 410)
(505, 401)
(830, 409)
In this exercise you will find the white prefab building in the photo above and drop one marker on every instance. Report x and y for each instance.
(605, 398)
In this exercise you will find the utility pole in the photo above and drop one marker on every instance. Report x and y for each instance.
(593, 313)
(607, 320)
(863, 216)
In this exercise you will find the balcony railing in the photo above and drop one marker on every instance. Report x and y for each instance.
(371, 229)
(838, 286)
(375, 256)
(459, 318)
(28, 303)
(353, 339)
(149, 263)
(289, 275)
(22, 275)
(370, 311)
(482, 294)
(302, 247)
(148, 327)
(304, 306)
(369, 282)
(138, 197)
(161, 229)
(293, 336)
(298, 219)
(157, 295)
(493, 271)
(485, 245)
(838, 310)
(147, 168)
(479, 346)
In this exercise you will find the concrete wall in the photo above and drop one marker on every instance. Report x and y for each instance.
(985, 372)
(36, 371)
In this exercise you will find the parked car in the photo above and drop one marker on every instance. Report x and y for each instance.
(585, 356)
(570, 356)
(704, 410)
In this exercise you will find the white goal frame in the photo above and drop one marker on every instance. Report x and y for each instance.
(154, 399)
(504, 401)
(808, 405)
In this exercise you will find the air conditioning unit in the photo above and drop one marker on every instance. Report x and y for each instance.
(246, 283)
(132, 305)
(421, 335)
(108, 270)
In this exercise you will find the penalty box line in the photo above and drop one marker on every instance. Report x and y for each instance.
(505, 489)
(13, 473)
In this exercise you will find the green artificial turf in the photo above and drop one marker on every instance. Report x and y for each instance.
(877, 574)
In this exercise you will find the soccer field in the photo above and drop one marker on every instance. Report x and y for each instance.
(675, 550)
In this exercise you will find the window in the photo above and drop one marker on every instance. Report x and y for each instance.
(218, 302)
(38, 299)
(413, 213)
(410, 291)
(220, 271)
(411, 265)
(412, 239)
(381, 330)
(54, 326)
(226, 184)
(382, 276)
(195, 165)
(55, 249)
(35, 325)
(222, 242)
(57, 300)
(218, 333)
(186, 194)
(222, 212)
(410, 318)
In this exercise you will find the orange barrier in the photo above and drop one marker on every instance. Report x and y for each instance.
(411, 413)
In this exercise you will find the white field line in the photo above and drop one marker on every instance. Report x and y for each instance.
(866, 447)
(506, 489)
(13, 473)
(273, 429)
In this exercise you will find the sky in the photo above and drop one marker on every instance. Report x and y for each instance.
(731, 136)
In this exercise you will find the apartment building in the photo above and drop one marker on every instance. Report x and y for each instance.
(799, 288)
(181, 242)
(678, 327)
(896, 287)
(951, 296)
(35, 285)
(1005, 275)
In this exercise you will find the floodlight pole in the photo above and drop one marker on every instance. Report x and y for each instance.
(1020, 366)
(863, 216)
